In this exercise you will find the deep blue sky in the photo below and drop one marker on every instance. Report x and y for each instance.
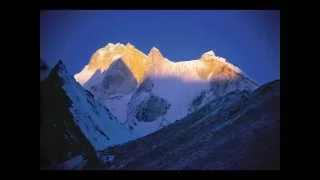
(247, 39)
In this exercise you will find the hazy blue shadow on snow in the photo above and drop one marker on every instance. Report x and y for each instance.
(156, 96)
(165, 93)
(116, 79)
(192, 92)
(119, 72)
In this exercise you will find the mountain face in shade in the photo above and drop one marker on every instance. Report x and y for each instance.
(236, 131)
(134, 59)
(148, 92)
(44, 69)
(73, 126)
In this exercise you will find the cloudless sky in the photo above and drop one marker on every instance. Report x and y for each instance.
(247, 39)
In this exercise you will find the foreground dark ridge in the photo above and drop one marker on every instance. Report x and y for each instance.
(60, 138)
(238, 131)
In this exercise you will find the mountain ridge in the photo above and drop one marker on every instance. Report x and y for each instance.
(75, 121)
(238, 131)
(104, 56)
(116, 71)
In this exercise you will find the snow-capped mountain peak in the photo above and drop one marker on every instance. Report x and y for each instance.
(154, 49)
(155, 52)
(104, 57)
(208, 54)
(73, 115)
(156, 60)
(137, 81)
(110, 44)
(128, 45)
